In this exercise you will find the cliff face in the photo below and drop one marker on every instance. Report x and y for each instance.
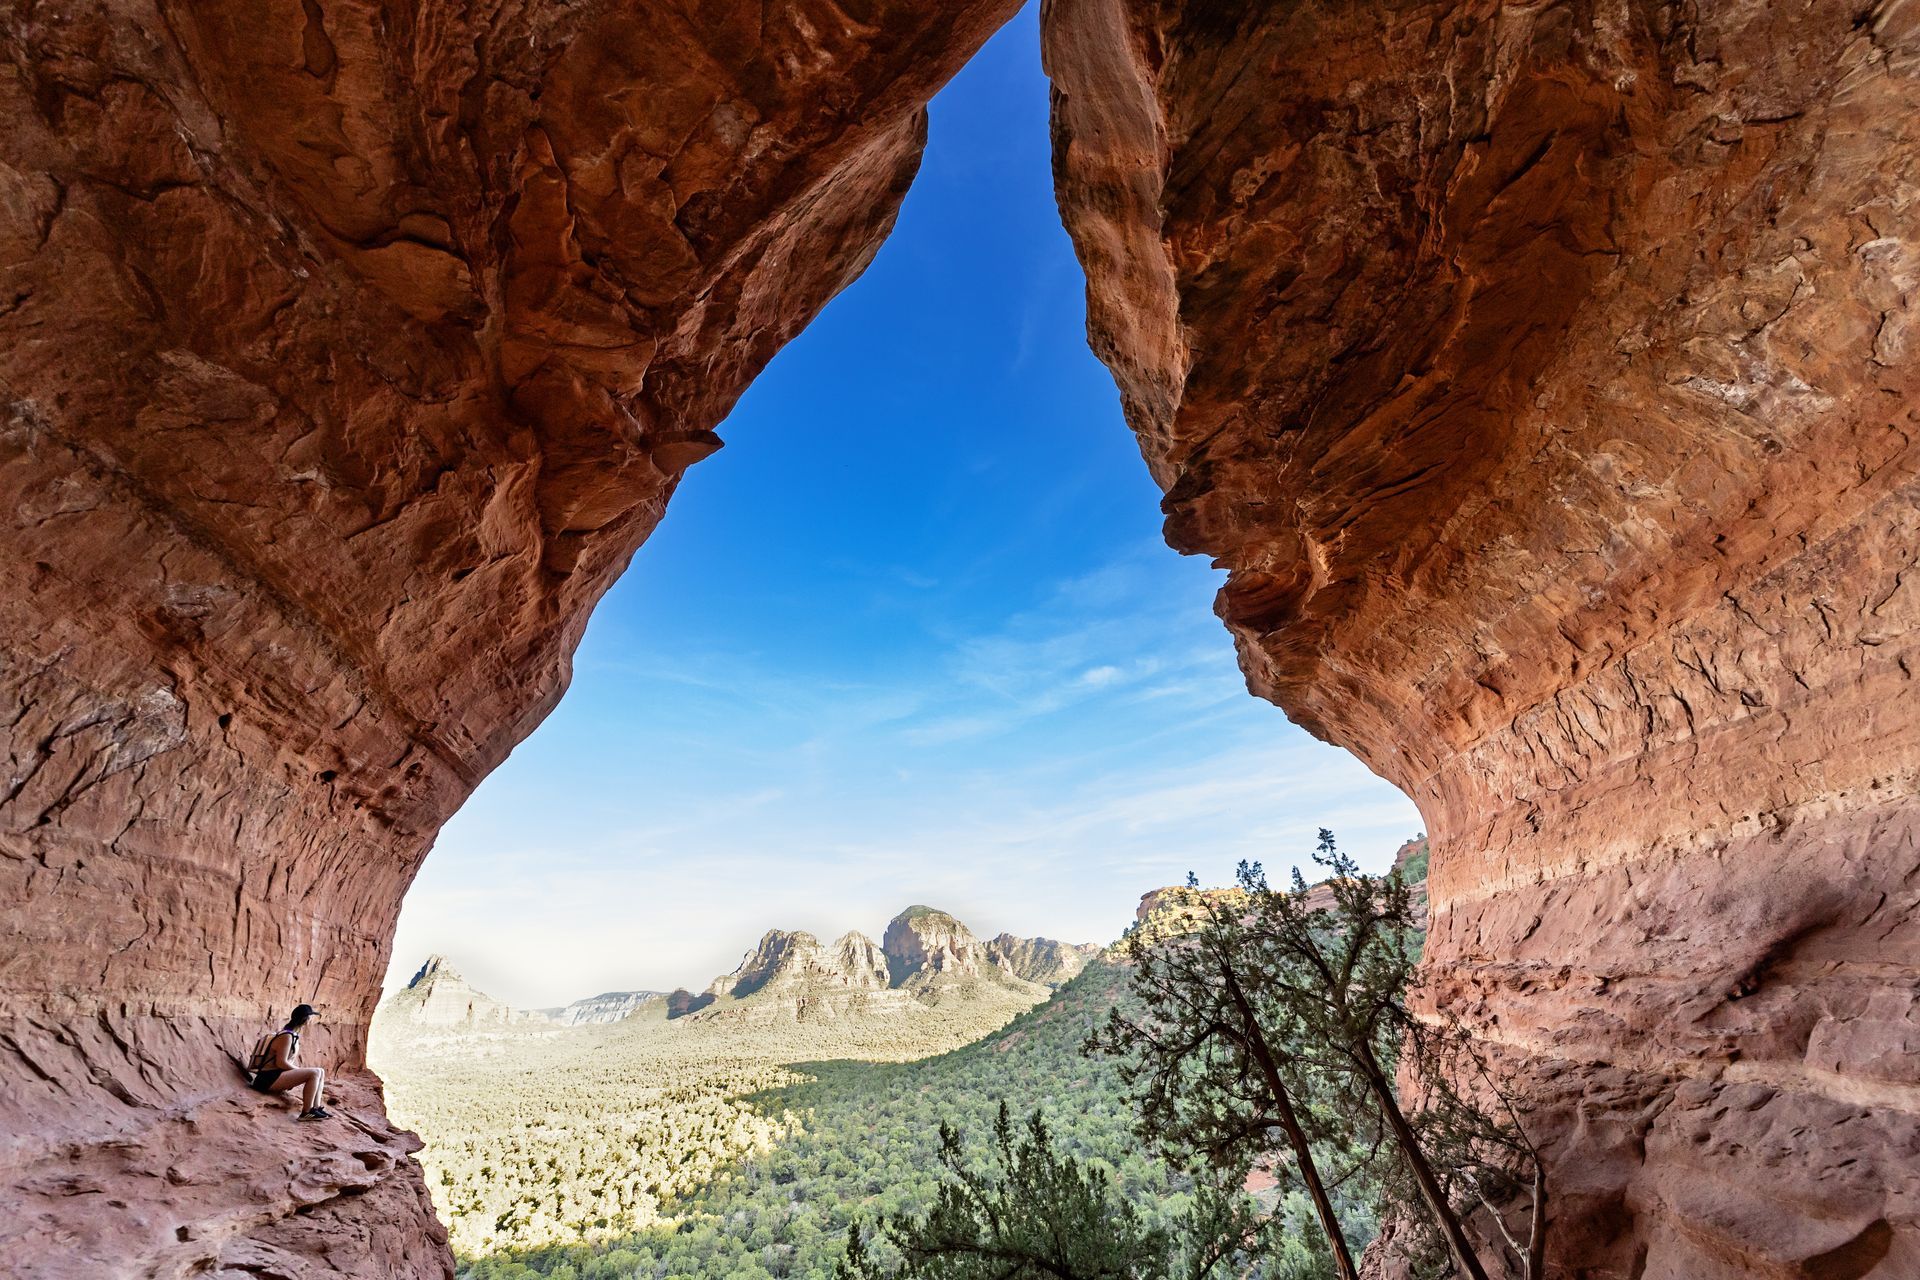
(927, 955)
(1543, 374)
(608, 1006)
(349, 349)
(784, 962)
(1545, 377)
(1047, 961)
(924, 946)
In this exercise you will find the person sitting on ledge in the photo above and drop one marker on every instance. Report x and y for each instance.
(281, 1069)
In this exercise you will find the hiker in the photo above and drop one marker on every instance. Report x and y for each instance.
(276, 1065)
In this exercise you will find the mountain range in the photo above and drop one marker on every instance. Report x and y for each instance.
(925, 958)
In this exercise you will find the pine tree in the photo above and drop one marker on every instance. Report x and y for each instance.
(1340, 977)
(1041, 1215)
(1274, 1018)
(1208, 1057)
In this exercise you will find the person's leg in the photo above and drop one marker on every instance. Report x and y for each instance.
(311, 1077)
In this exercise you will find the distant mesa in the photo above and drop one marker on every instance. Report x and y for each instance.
(926, 957)
(1045, 961)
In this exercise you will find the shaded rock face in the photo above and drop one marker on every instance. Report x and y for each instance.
(349, 349)
(924, 946)
(1545, 377)
(1046, 961)
(681, 1002)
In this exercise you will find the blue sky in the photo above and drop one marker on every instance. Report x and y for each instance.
(912, 636)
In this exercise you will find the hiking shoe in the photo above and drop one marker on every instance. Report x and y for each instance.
(318, 1113)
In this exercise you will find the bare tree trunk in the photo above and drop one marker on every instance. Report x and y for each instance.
(1537, 1237)
(1455, 1235)
(1256, 1041)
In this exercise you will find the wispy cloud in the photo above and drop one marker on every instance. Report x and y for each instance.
(1037, 776)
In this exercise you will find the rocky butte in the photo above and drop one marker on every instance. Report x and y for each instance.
(1543, 374)
(439, 997)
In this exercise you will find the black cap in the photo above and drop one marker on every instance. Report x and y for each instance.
(301, 1012)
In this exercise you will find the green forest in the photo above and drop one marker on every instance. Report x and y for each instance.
(1238, 1088)
(863, 1145)
(542, 1135)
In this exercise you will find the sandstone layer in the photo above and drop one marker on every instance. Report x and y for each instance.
(1545, 377)
(349, 349)
(1047, 961)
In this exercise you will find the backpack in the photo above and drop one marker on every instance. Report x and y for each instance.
(262, 1054)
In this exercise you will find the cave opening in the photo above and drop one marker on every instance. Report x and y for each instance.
(1541, 376)
(912, 636)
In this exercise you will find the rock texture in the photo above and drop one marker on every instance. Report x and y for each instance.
(238, 1189)
(924, 946)
(783, 962)
(1545, 377)
(928, 957)
(608, 1006)
(437, 997)
(348, 350)
(1046, 961)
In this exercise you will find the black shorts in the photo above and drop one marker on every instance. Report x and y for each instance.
(263, 1081)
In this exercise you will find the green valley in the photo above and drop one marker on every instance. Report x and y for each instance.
(740, 1132)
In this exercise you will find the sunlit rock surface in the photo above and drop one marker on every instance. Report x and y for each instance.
(785, 961)
(439, 998)
(349, 350)
(1546, 377)
(1047, 961)
(608, 1006)
(1543, 373)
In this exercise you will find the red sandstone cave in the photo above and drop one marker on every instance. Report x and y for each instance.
(1546, 373)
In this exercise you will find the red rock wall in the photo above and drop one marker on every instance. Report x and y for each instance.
(349, 349)
(1545, 375)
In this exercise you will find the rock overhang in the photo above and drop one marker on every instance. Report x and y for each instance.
(1543, 377)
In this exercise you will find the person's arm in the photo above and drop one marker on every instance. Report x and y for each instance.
(283, 1043)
